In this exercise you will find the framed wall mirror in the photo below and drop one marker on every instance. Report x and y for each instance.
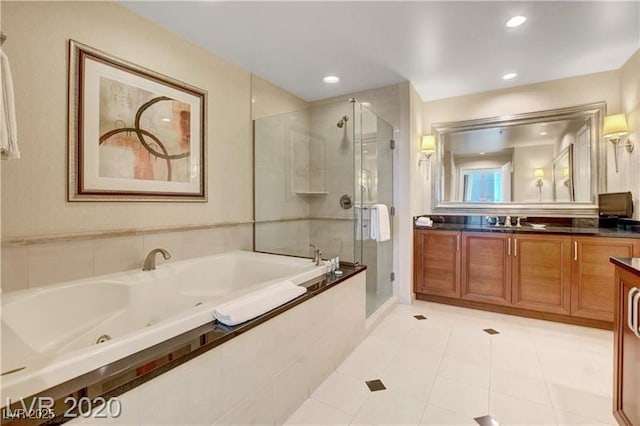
(544, 163)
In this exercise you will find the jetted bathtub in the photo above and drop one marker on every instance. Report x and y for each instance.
(50, 334)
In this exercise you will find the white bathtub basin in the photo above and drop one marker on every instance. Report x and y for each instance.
(52, 330)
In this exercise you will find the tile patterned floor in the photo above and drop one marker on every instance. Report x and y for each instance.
(447, 370)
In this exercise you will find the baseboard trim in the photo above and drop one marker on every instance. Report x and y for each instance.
(517, 311)
(378, 315)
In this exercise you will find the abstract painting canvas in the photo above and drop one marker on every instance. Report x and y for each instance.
(134, 135)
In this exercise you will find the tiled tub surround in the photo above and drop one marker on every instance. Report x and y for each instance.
(53, 330)
(34, 262)
(264, 370)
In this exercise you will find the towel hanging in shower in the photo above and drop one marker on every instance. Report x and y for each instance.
(380, 225)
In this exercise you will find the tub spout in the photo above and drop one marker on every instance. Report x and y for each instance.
(150, 260)
(316, 254)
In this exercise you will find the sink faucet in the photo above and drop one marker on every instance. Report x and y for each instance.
(316, 254)
(150, 260)
(490, 218)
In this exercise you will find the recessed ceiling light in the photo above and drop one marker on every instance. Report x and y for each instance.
(509, 76)
(516, 21)
(543, 133)
(331, 79)
(365, 104)
(166, 119)
(482, 153)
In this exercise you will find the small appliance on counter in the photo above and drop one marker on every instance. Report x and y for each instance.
(615, 205)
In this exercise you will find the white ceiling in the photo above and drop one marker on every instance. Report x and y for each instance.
(444, 48)
(504, 139)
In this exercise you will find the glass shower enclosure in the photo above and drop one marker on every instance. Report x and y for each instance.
(318, 175)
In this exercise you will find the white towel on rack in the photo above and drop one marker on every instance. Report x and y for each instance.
(380, 225)
(257, 303)
(8, 127)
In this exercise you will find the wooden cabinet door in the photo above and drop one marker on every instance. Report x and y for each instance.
(436, 256)
(627, 354)
(486, 267)
(542, 273)
(592, 282)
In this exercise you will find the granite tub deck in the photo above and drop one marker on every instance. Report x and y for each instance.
(213, 373)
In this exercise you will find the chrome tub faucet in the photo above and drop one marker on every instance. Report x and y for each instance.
(316, 254)
(150, 260)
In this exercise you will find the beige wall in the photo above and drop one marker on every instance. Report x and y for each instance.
(268, 99)
(47, 239)
(629, 177)
(34, 188)
(603, 86)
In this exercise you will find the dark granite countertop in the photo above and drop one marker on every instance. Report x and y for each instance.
(527, 229)
(631, 264)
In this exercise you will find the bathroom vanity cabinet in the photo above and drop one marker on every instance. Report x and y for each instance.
(486, 268)
(523, 271)
(542, 273)
(592, 274)
(559, 277)
(626, 393)
(437, 260)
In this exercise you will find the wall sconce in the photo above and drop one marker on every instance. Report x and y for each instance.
(615, 129)
(539, 174)
(427, 148)
(566, 176)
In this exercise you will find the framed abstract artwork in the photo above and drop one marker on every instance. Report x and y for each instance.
(134, 134)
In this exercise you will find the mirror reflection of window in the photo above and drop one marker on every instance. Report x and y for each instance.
(505, 155)
(482, 186)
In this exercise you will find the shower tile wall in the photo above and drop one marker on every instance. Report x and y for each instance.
(332, 168)
(282, 173)
(304, 164)
(284, 237)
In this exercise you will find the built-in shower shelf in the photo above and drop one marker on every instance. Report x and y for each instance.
(311, 193)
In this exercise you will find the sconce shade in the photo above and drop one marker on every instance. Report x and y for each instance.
(615, 126)
(428, 143)
(538, 173)
(565, 172)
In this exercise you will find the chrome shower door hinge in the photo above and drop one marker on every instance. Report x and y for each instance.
(392, 211)
(392, 144)
(393, 276)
